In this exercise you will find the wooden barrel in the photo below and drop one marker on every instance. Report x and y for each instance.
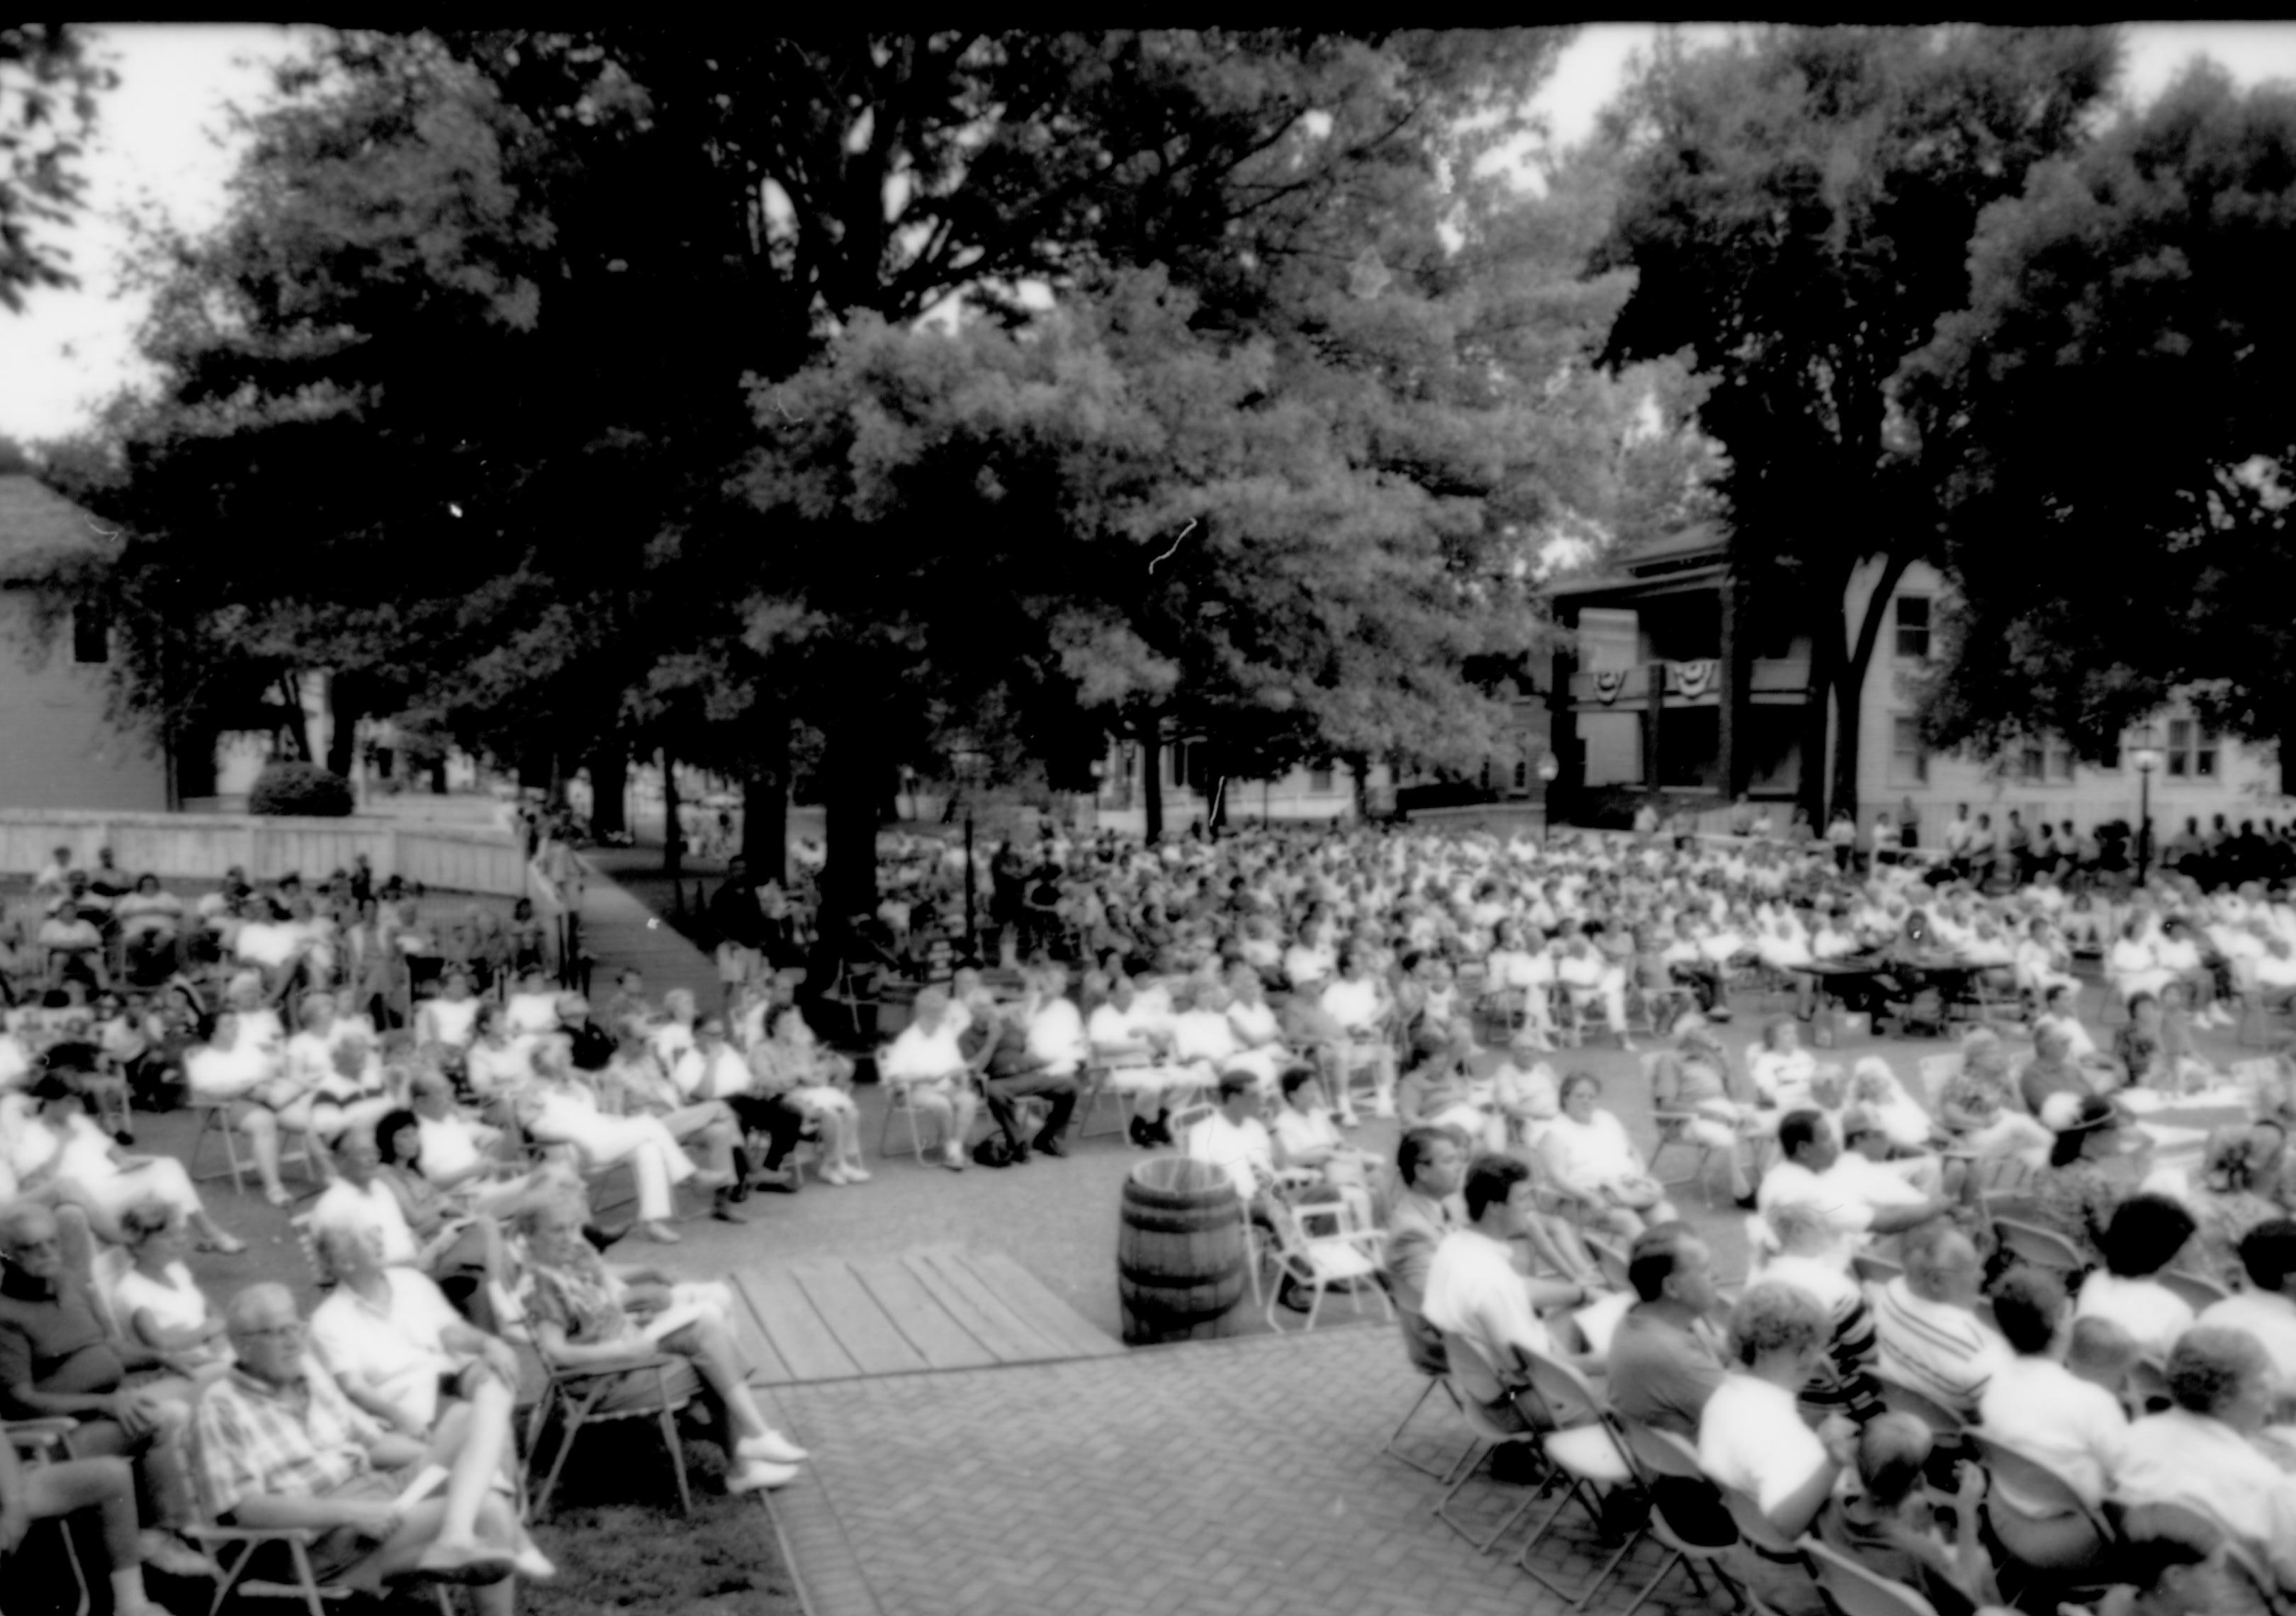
(1180, 1251)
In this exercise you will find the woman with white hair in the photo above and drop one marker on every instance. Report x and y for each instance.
(1979, 1103)
(1694, 1077)
(926, 1058)
(60, 1149)
(1875, 1088)
(2202, 1451)
(558, 1108)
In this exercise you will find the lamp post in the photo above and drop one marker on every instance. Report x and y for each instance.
(2146, 760)
(1550, 770)
(969, 762)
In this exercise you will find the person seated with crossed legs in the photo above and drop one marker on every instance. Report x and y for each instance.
(281, 1446)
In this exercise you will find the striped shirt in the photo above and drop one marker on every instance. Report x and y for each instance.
(1945, 1353)
(258, 1439)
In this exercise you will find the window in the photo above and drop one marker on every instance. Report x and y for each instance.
(91, 633)
(1522, 774)
(1909, 762)
(1320, 781)
(2032, 761)
(1913, 626)
(2192, 751)
(2060, 761)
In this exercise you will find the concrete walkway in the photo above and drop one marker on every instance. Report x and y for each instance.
(620, 933)
(1240, 1476)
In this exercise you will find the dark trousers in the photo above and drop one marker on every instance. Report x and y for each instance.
(1005, 1093)
(772, 1116)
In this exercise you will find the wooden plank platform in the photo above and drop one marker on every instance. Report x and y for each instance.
(910, 1313)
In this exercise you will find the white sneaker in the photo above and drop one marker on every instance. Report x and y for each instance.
(1383, 1106)
(854, 1173)
(757, 1475)
(773, 1447)
(833, 1174)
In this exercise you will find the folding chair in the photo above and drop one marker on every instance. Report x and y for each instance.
(1471, 1378)
(2199, 1291)
(1944, 1424)
(236, 1552)
(2058, 1559)
(2043, 1248)
(42, 1442)
(1660, 1455)
(1327, 1245)
(1849, 1589)
(577, 1393)
(215, 1117)
(1432, 1369)
(900, 1103)
(1587, 1452)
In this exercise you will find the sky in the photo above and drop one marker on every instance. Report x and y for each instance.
(163, 140)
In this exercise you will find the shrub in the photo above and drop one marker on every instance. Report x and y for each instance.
(303, 789)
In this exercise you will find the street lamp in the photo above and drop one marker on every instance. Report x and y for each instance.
(2146, 760)
(970, 763)
(1550, 770)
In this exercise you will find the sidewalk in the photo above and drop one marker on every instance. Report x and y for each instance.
(620, 933)
(1241, 1476)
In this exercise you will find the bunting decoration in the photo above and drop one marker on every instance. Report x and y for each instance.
(1608, 683)
(1697, 678)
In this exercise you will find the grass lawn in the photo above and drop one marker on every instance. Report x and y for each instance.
(614, 1527)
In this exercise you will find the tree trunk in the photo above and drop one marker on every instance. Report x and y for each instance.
(194, 747)
(1824, 658)
(764, 803)
(345, 708)
(1152, 778)
(609, 776)
(673, 834)
(1849, 682)
(293, 719)
(851, 794)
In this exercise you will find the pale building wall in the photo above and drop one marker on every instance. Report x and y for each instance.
(57, 750)
(2245, 783)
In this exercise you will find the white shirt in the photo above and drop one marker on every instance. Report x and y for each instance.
(2268, 1317)
(447, 1147)
(1474, 1291)
(395, 1350)
(1241, 1150)
(1750, 1436)
(1790, 1181)
(346, 1205)
(2075, 1426)
(916, 1054)
(2179, 1457)
(1056, 1036)
(2147, 1309)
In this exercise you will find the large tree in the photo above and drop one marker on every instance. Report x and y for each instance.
(49, 86)
(455, 390)
(2110, 424)
(1798, 205)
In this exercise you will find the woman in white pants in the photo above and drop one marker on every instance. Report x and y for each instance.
(60, 1144)
(560, 1109)
(240, 1074)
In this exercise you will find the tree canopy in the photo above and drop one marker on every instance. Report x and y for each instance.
(49, 90)
(567, 390)
(2109, 428)
(1796, 205)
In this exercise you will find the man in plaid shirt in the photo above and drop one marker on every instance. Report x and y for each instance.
(281, 1446)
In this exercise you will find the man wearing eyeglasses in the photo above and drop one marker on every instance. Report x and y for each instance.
(281, 1446)
(57, 1360)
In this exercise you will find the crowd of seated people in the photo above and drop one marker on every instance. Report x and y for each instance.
(1278, 990)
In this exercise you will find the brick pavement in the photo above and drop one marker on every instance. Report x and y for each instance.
(1243, 1476)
